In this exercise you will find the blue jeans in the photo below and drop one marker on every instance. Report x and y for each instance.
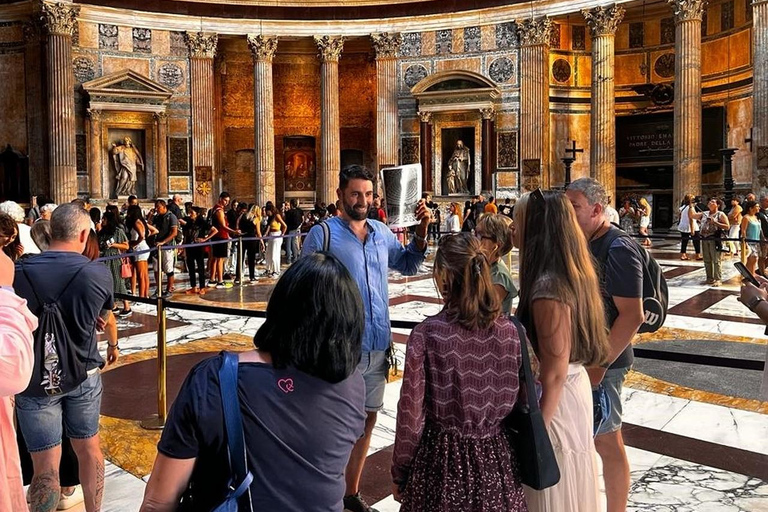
(292, 246)
(40, 418)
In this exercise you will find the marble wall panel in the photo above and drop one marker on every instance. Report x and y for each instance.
(443, 42)
(428, 43)
(85, 68)
(502, 70)
(506, 36)
(715, 53)
(89, 35)
(125, 39)
(621, 40)
(457, 41)
(173, 74)
(237, 87)
(727, 20)
(506, 121)
(655, 58)
(488, 35)
(472, 40)
(705, 22)
(357, 105)
(742, 42)
(507, 150)
(108, 36)
(561, 69)
(652, 30)
(142, 40)
(468, 63)
(567, 127)
(11, 33)
(578, 37)
(409, 150)
(583, 71)
(177, 45)
(627, 69)
(411, 46)
(739, 119)
(111, 63)
(179, 184)
(178, 126)
(667, 30)
(161, 42)
(554, 37)
(636, 35)
(13, 129)
(410, 125)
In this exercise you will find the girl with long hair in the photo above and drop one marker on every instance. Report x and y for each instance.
(562, 310)
(453, 221)
(750, 230)
(113, 242)
(495, 233)
(451, 452)
(140, 230)
(644, 211)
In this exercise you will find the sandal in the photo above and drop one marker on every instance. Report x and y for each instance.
(684, 257)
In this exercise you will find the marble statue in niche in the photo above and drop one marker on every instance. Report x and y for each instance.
(458, 170)
(128, 162)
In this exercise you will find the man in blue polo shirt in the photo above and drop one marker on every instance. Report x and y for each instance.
(368, 249)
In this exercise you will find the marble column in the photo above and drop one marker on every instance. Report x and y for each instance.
(95, 162)
(330, 48)
(202, 49)
(387, 47)
(603, 22)
(60, 20)
(263, 50)
(489, 134)
(760, 98)
(687, 118)
(534, 102)
(425, 153)
(34, 61)
(161, 131)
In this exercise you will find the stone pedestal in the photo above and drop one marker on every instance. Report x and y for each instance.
(687, 130)
(202, 49)
(603, 22)
(263, 50)
(330, 48)
(387, 47)
(161, 169)
(534, 101)
(489, 136)
(60, 20)
(95, 152)
(425, 153)
(760, 98)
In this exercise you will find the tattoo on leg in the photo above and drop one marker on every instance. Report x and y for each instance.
(45, 491)
(99, 483)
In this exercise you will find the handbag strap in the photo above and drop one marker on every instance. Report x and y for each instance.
(530, 386)
(233, 420)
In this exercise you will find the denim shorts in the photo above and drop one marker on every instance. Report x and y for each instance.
(41, 418)
(374, 366)
(613, 383)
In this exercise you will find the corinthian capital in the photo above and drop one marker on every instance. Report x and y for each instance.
(688, 9)
(262, 47)
(604, 20)
(201, 44)
(386, 45)
(329, 47)
(534, 32)
(59, 18)
(94, 114)
(426, 117)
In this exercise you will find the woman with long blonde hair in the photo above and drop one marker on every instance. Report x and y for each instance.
(562, 310)
(644, 210)
(460, 382)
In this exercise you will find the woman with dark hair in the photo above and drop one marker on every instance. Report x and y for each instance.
(301, 398)
(114, 242)
(250, 226)
(139, 231)
(9, 237)
(276, 228)
(468, 222)
(95, 214)
(451, 452)
(91, 250)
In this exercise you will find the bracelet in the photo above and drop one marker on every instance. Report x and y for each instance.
(116, 345)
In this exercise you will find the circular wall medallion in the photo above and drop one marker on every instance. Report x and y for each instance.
(501, 70)
(561, 70)
(84, 69)
(414, 74)
(665, 65)
(170, 75)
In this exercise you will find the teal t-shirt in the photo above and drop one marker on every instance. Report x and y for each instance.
(500, 275)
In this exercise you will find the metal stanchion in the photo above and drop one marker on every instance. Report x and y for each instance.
(157, 421)
(240, 260)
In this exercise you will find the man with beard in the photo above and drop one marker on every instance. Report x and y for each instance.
(368, 249)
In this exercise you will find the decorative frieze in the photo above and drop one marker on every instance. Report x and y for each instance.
(142, 40)
(472, 40)
(411, 46)
(84, 69)
(534, 32)
(506, 36)
(59, 18)
(604, 20)
(387, 45)
(108, 37)
(329, 47)
(443, 42)
(262, 47)
(201, 45)
(170, 75)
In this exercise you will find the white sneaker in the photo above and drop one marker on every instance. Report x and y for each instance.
(67, 502)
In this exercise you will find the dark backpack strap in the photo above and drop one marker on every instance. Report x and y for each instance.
(233, 420)
(530, 386)
(326, 236)
(613, 234)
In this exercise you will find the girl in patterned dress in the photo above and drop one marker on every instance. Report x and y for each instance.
(460, 382)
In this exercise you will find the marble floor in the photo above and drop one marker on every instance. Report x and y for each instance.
(690, 449)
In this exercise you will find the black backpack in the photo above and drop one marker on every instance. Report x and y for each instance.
(655, 292)
(57, 368)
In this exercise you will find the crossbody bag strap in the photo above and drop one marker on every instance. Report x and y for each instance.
(326, 236)
(530, 386)
(233, 420)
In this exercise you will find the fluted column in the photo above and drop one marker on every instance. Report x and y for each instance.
(60, 20)
(161, 129)
(488, 153)
(95, 165)
(263, 50)
(603, 22)
(202, 49)
(760, 98)
(687, 130)
(534, 99)
(425, 153)
(387, 47)
(330, 48)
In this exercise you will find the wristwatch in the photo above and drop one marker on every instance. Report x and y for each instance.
(753, 302)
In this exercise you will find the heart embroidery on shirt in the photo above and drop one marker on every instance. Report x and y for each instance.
(285, 385)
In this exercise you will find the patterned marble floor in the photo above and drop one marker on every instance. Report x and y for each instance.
(690, 450)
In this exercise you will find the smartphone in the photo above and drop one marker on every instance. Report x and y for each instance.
(746, 273)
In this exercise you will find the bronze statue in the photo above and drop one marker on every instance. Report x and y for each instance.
(128, 162)
(458, 170)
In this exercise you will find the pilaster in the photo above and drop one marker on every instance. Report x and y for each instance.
(387, 47)
(263, 50)
(329, 48)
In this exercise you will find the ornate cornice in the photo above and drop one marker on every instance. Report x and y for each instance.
(426, 117)
(687, 10)
(534, 32)
(488, 113)
(329, 47)
(387, 45)
(262, 47)
(59, 18)
(604, 20)
(201, 44)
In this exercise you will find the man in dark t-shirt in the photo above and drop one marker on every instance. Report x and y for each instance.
(84, 291)
(294, 218)
(621, 279)
(167, 227)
